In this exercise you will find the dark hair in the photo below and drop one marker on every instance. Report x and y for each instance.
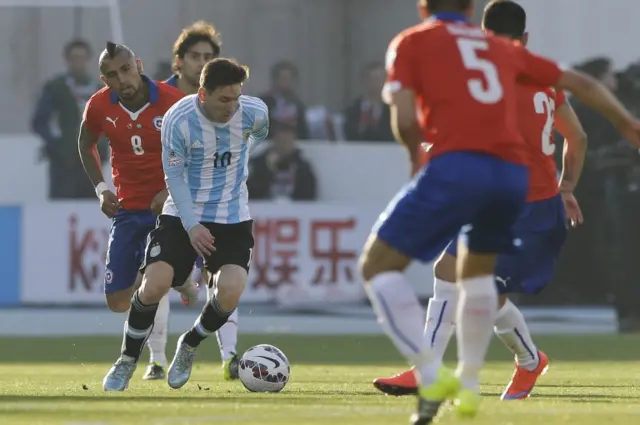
(198, 32)
(283, 66)
(434, 6)
(112, 50)
(506, 18)
(222, 72)
(596, 67)
(76, 44)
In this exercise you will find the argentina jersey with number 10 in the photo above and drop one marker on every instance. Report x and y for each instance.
(206, 164)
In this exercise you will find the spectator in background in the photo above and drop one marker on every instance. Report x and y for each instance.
(368, 117)
(285, 107)
(281, 171)
(57, 119)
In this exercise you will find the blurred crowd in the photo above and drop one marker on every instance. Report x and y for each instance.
(609, 191)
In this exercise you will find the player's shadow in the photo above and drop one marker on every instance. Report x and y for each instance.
(585, 398)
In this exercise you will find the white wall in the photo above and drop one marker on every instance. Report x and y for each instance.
(350, 174)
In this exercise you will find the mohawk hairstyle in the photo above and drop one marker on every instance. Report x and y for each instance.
(434, 6)
(112, 50)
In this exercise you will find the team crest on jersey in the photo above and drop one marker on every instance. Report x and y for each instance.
(157, 123)
(246, 134)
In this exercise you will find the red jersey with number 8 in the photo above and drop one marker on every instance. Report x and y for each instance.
(465, 81)
(537, 112)
(134, 138)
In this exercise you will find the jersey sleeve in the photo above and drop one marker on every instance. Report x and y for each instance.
(260, 129)
(92, 117)
(561, 98)
(537, 70)
(174, 160)
(400, 65)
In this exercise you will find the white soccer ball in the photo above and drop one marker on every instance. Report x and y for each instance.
(264, 369)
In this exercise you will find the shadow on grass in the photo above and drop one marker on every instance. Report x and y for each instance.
(330, 350)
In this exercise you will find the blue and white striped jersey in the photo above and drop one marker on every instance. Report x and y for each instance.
(206, 164)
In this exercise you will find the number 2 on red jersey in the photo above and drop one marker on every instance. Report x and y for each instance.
(544, 105)
(490, 90)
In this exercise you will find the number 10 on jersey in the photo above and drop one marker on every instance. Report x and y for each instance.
(136, 145)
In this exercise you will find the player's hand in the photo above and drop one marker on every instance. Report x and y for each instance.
(630, 129)
(158, 201)
(109, 203)
(201, 240)
(572, 209)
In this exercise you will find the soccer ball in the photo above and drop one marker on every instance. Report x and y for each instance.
(264, 369)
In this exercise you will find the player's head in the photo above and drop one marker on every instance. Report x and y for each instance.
(427, 8)
(77, 54)
(121, 70)
(195, 46)
(506, 18)
(220, 87)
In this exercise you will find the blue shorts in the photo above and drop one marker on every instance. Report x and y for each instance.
(125, 253)
(474, 195)
(542, 228)
(199, 262)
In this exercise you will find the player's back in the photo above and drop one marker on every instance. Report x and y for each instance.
(134, 139)
(465, 87)
(536, 113)
(218, 157)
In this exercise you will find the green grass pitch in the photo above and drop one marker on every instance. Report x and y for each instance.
(591, 380)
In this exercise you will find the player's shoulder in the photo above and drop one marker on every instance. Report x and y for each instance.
(252, 104)
(101, 97)
(169, 90)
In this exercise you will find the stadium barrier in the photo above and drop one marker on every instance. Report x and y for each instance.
(305, 254)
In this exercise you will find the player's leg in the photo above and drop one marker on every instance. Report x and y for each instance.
(169, 258)
(419, 224)
(228, 268)
(121, 266)
(543, 229)
(439, 326)
(227, 337)
(503, 187)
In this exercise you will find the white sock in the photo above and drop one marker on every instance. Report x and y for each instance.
(228, 336)
(477, 310)
(441, 317)
(514, 332)
(401, 317)
(157, 341)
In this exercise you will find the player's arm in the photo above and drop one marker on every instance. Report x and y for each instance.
(174, 160)
(88, 146)
(260, 129)
(575, 146)
(400, 93)
(592, 93)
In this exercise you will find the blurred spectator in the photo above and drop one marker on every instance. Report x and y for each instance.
(281, 171)
(163, 71)
(285, 107)
(604, 193)
(367, 118)
(57, 120)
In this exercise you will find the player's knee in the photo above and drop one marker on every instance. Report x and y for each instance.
(378, 257)
(119, 302)
(156, 282)
(445, 268)
(231, 281)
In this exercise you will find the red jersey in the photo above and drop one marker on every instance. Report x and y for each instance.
(536, 108)
(465, 85)
(134, 138)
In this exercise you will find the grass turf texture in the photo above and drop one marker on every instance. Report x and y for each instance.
(591, 380)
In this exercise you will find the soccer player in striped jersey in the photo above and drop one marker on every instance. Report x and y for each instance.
(206, 140)
(196, 45)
